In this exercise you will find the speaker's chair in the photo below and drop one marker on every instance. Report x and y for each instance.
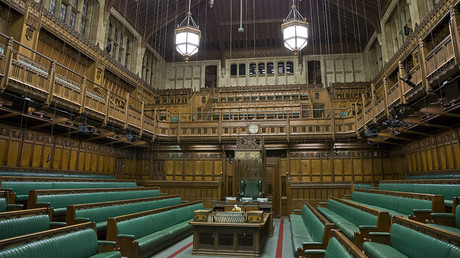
(250, 190)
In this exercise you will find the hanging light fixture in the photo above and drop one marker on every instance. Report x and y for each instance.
(295, 30)
(188, 36)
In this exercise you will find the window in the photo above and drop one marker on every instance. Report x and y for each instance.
(63, 12)
(127, 53)
(233, 70)
(289, 67)
(83, 27)
(73, 17)
(270, 68)
(85, 8)
(52, 6)
(242, 69)
(252, 69)
(75, 3)
(280, 67)
(262, 68)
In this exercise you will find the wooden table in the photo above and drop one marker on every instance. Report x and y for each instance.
(245, 206)
(242, 239)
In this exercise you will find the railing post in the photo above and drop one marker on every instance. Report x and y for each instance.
(363, 99)
(373, 111)
(402, 73)
(155, 124)
(219, 128)
(334, 127)
(126, 111)
(142, 119)
(356, 120)
(385, 96)
(83, 96)
(288, 127)
(453, 27)
(107, 109)
(51, 83)
(178, 127)
(423, 68)
(9, 60)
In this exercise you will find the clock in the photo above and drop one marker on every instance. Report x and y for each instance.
(253, 128)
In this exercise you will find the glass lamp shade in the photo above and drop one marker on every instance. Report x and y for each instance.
(295, 34)
(187, 41)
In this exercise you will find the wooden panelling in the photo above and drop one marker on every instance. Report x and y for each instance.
(314, 193)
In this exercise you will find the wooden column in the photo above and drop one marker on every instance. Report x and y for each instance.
(356, 120)
(9, 60)
(423, 52)
(83, 96)
(107, 108)
(126, 111)
(385, 96)
(372, 102)
(364, 111)
(51, 82)
(142, 119)
(402, 73)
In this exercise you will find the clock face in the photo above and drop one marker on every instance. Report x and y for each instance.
(253, 128)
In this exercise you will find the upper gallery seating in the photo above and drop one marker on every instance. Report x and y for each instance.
(448, 221)
(144, 233)
(409, 238)
(22, 188)
(79, 241)
(355, 220)
(309, 229)
(18, 223)
(417, 206)
(59, 199)
(42, 174)
(101, 211)
(338, 246)
(446, 187)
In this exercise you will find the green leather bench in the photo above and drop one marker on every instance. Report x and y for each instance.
(339, 246)
(409, 238)
(59, 199)
(100, 212)
(22, 188)
(356, 221)
(309, 230)
(449, 191)
(39, 174)
(79, 241)
(441, 176)
(7, 199)
(17, 223)
(144, 233)
(448, 221)
(413, 205)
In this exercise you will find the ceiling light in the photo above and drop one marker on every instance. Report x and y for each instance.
(295, 30)
(188, 36)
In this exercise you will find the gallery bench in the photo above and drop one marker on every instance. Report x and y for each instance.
(144, 233)
(338, 246)
(309, 229)
(356, 221)
(79, 241)
(17, 223)
(101, 211)
(413, 205)
(409, 238)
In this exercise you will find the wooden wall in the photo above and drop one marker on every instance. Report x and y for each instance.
(33, 151)
(436, 154)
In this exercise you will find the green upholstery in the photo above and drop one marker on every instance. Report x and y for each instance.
(455, 229)
(60, 201)
(336, 250)
(251, 188)
(347, 218)
(159, 228)
(3, 204)
(305, 227)
(76, 244)
(406, 242)
(23, 225)
(395, 205)
(101, 214)
(36, 174)
(449, 191)
(362, 186)
(446, 176)
(22, 188)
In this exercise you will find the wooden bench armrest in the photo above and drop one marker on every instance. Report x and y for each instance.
(347, 196)
(14, 207)
(363, 234)
(127, 245)
(380, 237)
(314, 253)
(81, 220)
(297, 211)
(56, 224)
(313, 245)
(106, 246)
(322, 204)
(421, 215)
(445, 219)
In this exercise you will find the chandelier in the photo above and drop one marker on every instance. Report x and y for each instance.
(295, 30)
(188, 36)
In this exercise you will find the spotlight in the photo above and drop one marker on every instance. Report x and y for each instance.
(86, 129)
(131, 137)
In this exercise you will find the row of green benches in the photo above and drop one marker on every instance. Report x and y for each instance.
(58, 175)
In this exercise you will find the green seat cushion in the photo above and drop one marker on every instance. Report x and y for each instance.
(23, 225)
(391, 212)
(451, 229)
(336, 250)
(180, 228)
(314, 226)
(154, 239)
(347, 227)
(114, 254)
(376, 250)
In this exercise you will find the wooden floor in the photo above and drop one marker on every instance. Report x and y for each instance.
(272, 248)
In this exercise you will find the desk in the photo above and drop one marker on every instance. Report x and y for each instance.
(242, 239)
(245, 206)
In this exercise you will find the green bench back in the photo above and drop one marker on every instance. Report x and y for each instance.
(354, 215)
(101, 214)
(399, 204)
(457, 216)
(314, 226)
(416, 244)
(3, 204)
(449, 191)
(335, 249)
(22, 188)
(57, 201)
(446, 176)
(78, 244)
(23, 225)
(143, 226)
(35, 174)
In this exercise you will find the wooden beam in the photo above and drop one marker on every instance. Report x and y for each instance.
(417, 121)
(389, 135)
(12, 114)
(383, 141)
(55, 121)
(103, 135)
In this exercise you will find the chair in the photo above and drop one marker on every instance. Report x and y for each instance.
(251, 189)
